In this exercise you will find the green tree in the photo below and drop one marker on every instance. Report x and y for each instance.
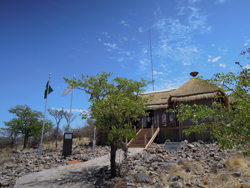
(27, 122)
(230, 125)
(58, 115)
(9, 133)
(115, 105)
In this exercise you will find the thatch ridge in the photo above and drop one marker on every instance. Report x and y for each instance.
(194, 86)
(197, 89)
(159, 97)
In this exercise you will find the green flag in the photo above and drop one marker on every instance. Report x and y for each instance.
(50, 90)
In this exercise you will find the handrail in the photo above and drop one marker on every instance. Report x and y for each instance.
(152, 138)
(147, 135)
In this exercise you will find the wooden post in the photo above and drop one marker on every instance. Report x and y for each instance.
(134, 128)
(174, 122)
(160, 120)
(167, 119)
(152, 130)
(145, 140)
(126, 140)
(153, 122)
(142, 122)
(180, 130)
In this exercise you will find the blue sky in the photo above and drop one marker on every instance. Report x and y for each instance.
(67, 38)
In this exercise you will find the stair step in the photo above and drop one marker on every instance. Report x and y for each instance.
(140, 142)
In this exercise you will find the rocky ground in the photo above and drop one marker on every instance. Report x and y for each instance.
(197, 164)
(20, 163)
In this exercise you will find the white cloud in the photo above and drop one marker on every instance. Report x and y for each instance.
(208, 60)
(111, 46)
(223, 49)
(100, 39)
(222, 65)
(221, 1)
(209, 56)
(120, 59)
(193, 1)
(155, 72)
(245, 44)
(144, 50)
(186, 63)
(216, 59)
(124, 23)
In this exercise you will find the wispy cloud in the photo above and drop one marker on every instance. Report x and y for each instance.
(193, 1)
(111, 46)
(216, 59)
(155, 72)
(125, 23)
(221, 1)
(222, 65)
(175, 47)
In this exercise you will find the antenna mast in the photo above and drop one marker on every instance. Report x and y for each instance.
(151, 59)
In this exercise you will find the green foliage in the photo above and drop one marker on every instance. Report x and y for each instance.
(27, 123)
(230, 125)
(115, 104)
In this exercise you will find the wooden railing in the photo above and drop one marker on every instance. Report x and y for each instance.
(153, 137)
(148, 135)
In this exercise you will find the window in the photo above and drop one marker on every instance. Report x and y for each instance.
(163, 118)
(144, 122)
(171, 117)
(156, 118)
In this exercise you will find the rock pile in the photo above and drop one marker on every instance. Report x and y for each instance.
(197, 164)
(27, 161)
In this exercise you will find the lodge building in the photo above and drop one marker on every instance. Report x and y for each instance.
(161, 125)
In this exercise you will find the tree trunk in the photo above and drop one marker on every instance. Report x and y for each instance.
(57, 134)
(112, 160)
(12, 143)
(25, 141)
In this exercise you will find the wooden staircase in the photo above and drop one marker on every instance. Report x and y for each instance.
(145, 137)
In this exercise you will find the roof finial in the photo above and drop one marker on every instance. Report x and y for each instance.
(194, 74)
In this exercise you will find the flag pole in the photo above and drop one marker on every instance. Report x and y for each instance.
(41, 144)
(71, 105)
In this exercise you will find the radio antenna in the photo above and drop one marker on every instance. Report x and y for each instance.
(151, 59)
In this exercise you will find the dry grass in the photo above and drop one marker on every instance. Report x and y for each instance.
(241, 185)
(237, 164)
(224, 178)
(5, 155)
(84, 139)
(206, 181)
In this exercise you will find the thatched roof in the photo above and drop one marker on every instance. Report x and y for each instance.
(195, 89)
(160, 99)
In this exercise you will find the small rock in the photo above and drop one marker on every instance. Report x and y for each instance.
(142, 177)
(236, 174)
(176, 185)
(217, 158)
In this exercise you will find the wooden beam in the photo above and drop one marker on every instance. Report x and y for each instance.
(174, 122)
(160, 120)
